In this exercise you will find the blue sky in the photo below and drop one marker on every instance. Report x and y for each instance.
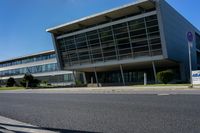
(23, 23)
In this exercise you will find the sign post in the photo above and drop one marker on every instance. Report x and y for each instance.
(145, 78)
(196, 77)
(190, 41)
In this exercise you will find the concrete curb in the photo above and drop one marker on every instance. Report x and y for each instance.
(8, 125)
(113, 90)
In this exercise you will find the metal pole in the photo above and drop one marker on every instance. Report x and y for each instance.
(154, 71)
(96, 77)
(145, 79)
(190, 62)
(122, 73)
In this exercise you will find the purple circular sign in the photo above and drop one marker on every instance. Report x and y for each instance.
(190, 36)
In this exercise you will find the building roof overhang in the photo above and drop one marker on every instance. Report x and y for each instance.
(109, 15)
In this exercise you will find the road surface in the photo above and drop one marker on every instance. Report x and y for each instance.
(109, 113)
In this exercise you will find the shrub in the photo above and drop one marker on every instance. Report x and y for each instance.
(78, 82)
(165, 76)
(44, 82)
(35, 83)
(29, 81)
(10, 82)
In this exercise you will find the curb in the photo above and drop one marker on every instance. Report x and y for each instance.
(8, 125)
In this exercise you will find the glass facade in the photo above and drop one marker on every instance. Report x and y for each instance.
(131, 39)
(68, 77)
(31, 70)
(130, 76)
(197, 41)
(28, 60)
(197, 37)
(59, 78)
(198, 57)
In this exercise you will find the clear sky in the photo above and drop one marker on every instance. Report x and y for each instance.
(23, 23)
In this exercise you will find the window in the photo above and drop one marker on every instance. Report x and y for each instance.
(118, 41)
(68, 77)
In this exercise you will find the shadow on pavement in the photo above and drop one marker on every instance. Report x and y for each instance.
(43, 128)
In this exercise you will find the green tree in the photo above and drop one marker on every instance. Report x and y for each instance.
(10, 82)
(165, 76)
(29, 81)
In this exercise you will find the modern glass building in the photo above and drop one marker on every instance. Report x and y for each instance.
(42, 66)
(119, 45)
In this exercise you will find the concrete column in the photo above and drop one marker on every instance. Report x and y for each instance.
(154, 71)
(84, 78)
(74, 77)
(96, 77)
(122, 73)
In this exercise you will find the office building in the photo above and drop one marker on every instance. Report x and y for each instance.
(42, 66)
(121, 44)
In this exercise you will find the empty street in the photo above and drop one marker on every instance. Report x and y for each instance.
(110, 113)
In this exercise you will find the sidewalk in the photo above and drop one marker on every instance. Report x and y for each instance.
(115, 90)
(12, 126)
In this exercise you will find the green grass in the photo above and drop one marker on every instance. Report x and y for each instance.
(11, 88)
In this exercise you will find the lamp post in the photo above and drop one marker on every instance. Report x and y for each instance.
(190, 41)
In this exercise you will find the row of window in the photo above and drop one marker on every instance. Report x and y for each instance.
(124, 40)
(28, 60)
(129, 76)
(30, 70)
(57, 78)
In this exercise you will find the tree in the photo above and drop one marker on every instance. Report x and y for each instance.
(29, 81)
(28, 78)
(165, 76)
(10, 82)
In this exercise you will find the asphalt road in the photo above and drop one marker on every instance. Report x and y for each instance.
(110, 113)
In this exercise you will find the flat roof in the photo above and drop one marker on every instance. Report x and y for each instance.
(27, 56)
(114, 13)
